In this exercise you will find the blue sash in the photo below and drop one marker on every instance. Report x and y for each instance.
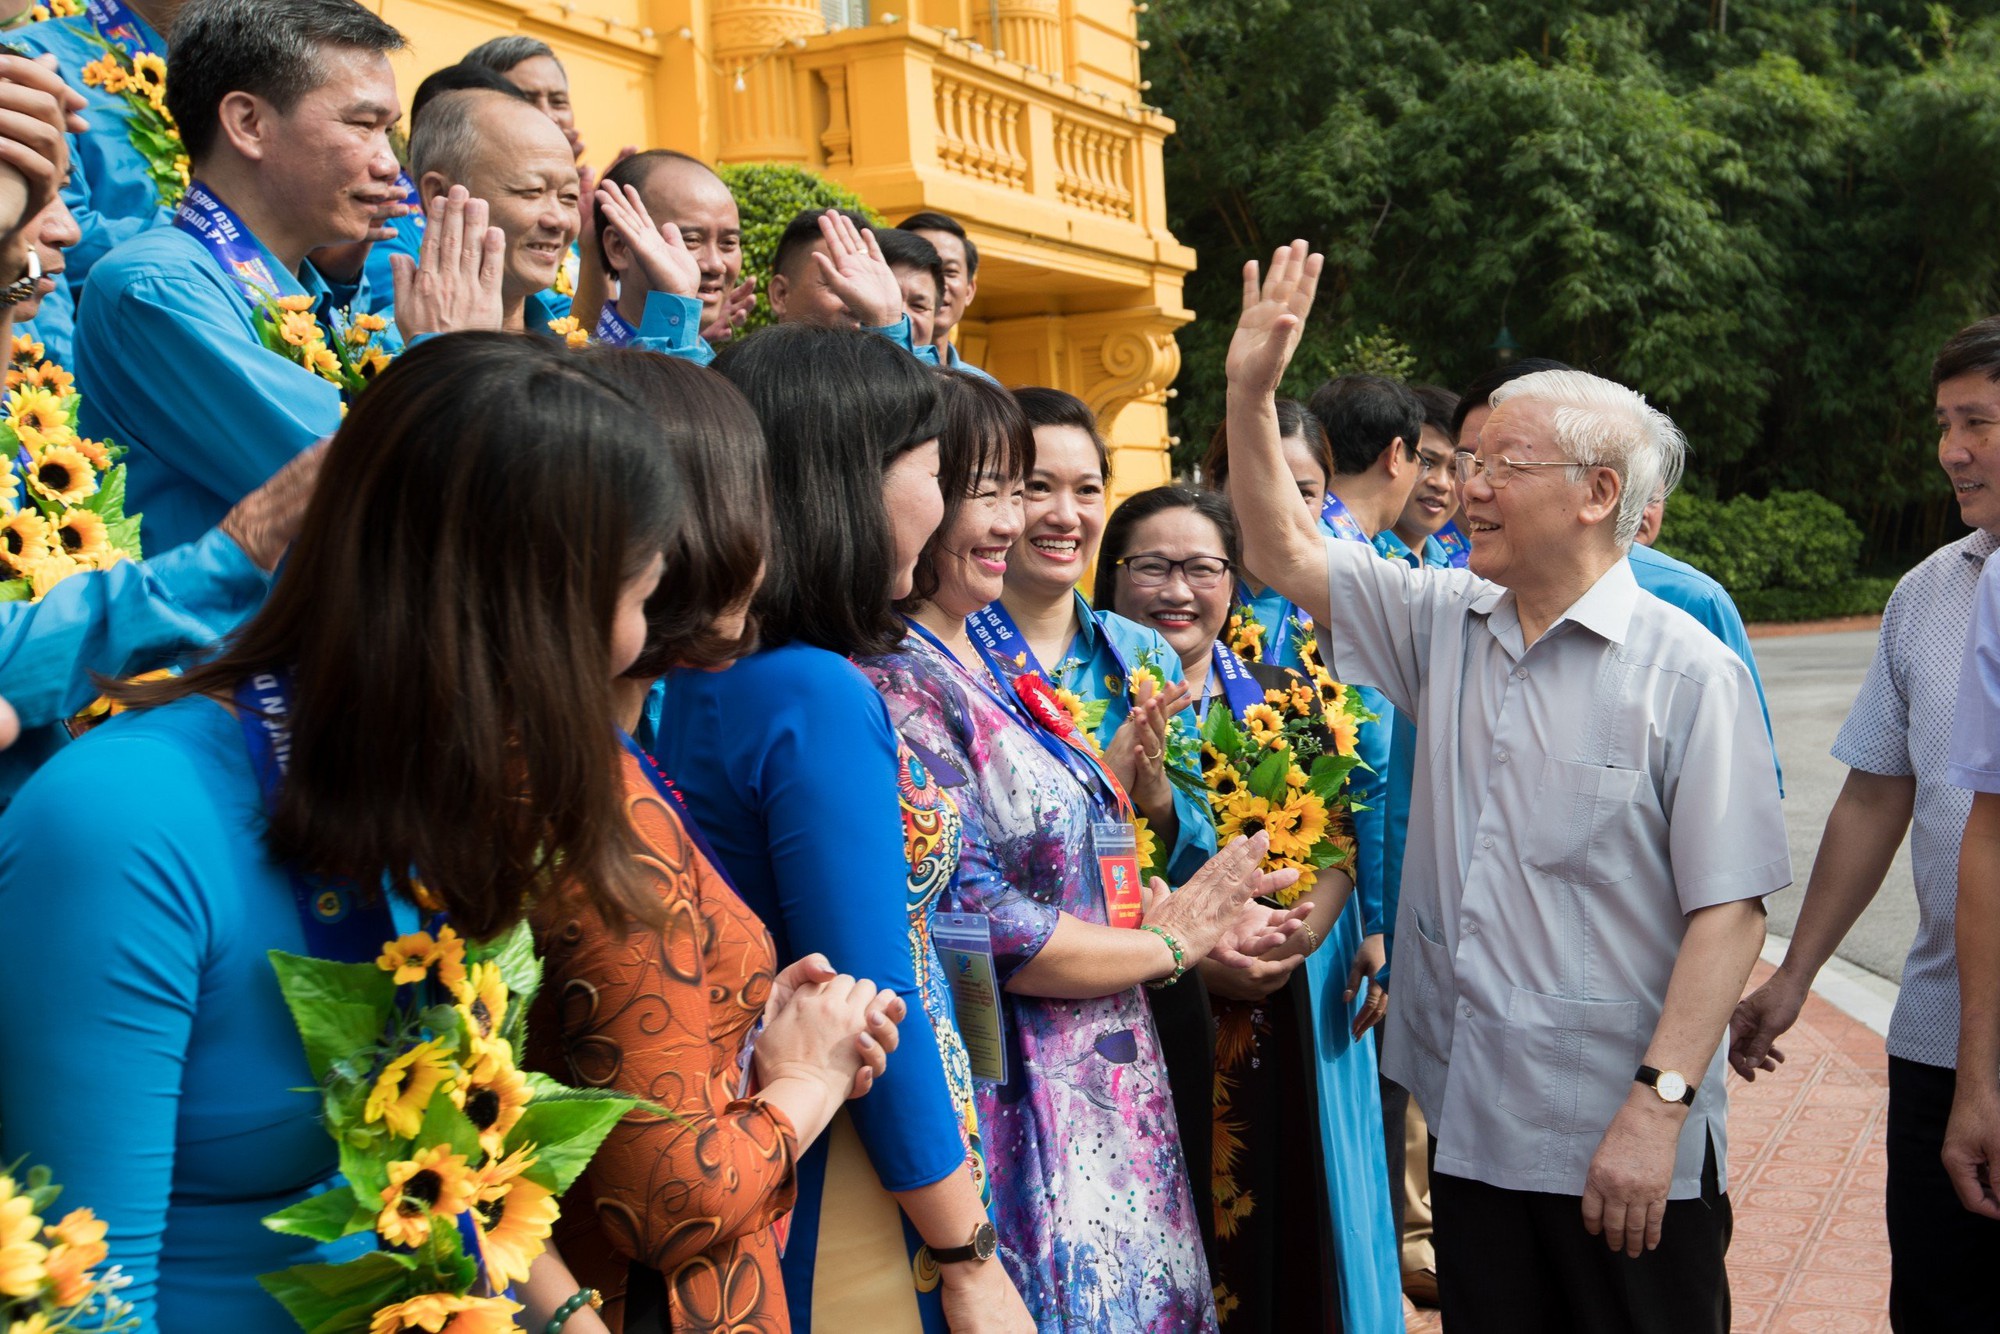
(1335, 515)
(1457, 548)
(339, 922)
(120, 26)
(992, 647)
(1239, 688)
(612, 329)
(416, 217)
(208, 220)
(677, 803)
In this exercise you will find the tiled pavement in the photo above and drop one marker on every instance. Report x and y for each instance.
(1806, 1165)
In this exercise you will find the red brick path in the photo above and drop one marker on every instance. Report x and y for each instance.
(1806, 1168)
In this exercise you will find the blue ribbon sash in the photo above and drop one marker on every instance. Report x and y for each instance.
(1335, 515)
(417, 217)
(116, 23)
(1239, 688)
(1008, 654)
(1457, 547)
(612, 328)
(340, 923)
(210, 221)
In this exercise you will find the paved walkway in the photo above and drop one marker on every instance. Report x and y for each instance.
(1806, 1167)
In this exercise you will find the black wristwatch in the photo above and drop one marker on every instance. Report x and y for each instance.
(985, 1241)
(1671, 1085)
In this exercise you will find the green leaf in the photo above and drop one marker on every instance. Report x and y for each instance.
(16, 590)
(343, 1299)
(520, 970)
(362, 1162)
(327, 1216)
(566, 1135)
(1267, 780)
(339, 1008)
(445, 1124)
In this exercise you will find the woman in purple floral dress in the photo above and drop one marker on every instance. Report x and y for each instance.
(1096, 1223)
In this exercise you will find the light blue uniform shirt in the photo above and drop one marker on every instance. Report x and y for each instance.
(1679, 584)
(130, 618)
(1106, 645)
(951, 360)
(110, 190)
(168, 350)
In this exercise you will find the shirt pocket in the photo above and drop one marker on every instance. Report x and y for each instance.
(1586, 821)
(1435, 992)
(1567, 1062)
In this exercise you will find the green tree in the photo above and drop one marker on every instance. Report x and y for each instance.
(1767, 226)
(769, 195)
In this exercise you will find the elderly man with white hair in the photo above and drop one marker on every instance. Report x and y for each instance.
(1594, 828)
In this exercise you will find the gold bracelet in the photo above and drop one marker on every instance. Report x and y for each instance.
(1312, 937)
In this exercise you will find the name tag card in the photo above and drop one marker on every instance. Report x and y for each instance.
(1117, 846)
(964, 943)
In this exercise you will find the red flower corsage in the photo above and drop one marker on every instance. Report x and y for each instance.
(1043, 704)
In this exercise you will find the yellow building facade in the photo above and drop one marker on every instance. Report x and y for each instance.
(1024, 119)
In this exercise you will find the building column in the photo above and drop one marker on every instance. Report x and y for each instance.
(763, 117)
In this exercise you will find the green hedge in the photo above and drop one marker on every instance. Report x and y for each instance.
(769, 195)
(1790, 556)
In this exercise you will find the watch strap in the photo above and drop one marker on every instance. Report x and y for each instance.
(1650, 1077)
(983, 1246)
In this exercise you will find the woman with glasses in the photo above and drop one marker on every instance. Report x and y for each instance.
(1285, 1050)
(1093, 658)
(1095, 1215)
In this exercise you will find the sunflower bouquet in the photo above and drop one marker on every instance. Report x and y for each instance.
(49, 1282)
(349, 360)
(65, 510)
(55, 9)
(449, 1154)
(142, 81)
(1282, 769)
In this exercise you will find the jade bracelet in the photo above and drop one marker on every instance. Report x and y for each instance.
(1180, 958)
(590, 1297)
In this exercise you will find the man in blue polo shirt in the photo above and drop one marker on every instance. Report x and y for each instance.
(285, 108)
(115, 190)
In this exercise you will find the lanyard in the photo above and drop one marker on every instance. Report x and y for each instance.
(1457, 550)
(1238, 686)
(1099, 782)
(208, 220)
(119, 24)
(338, 924)
(677, 803)
(612, 328)
(1334, 514)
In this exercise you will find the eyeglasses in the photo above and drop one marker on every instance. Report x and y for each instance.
(1201, 572)
(1499, 469)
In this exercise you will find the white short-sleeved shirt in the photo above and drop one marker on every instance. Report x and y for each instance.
(1901, 725)
(1573, 801)
(1975, 732)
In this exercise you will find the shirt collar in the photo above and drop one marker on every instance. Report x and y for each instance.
(1977, 545)
(537, 314)
(1394, 547)
(1087, 628)
(1605, 610)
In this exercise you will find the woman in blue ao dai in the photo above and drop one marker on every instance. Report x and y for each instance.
(1091, 1198)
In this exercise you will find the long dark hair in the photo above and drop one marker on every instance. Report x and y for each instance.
(1117, 544)
(446, 615)
(985, 433)
(838, 406)
(714, 559)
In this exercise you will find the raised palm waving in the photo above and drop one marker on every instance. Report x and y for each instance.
(1274, 314)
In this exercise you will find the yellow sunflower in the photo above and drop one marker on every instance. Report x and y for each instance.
(1264, 726)
(1346, 732)
(295, 305)
(49, 571)
(1223, 785)
(21, 1256)
(412, 957)
(1244, 636)
(1244, 816)
(25, 538)
(53, 378)
(1212, 759)
(320, 358)
(27, 349)
(1300, 698)
(482, 1000)
(514, 1226)
(1149, 842)
(374, 363)
(78, 1248)
(149, 76)
(85, 538)
(37, 409)
(493, 1096)
(570, 330)
(105, 72)
(443, 1313)
(298, 327)
(405, 1088)
(62, 474)
(99, 456)
(435, 1183)
(1302, 824)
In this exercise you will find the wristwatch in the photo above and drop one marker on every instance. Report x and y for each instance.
(1671, 1085)
(985, 1241)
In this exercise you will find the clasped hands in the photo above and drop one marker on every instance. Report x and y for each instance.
(826, 1026)
(1216, 916)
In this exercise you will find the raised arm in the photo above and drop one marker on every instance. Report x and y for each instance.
(1280, 540)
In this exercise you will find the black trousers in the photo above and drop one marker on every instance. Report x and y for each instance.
(1519, 1262)
(1941, 1257)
